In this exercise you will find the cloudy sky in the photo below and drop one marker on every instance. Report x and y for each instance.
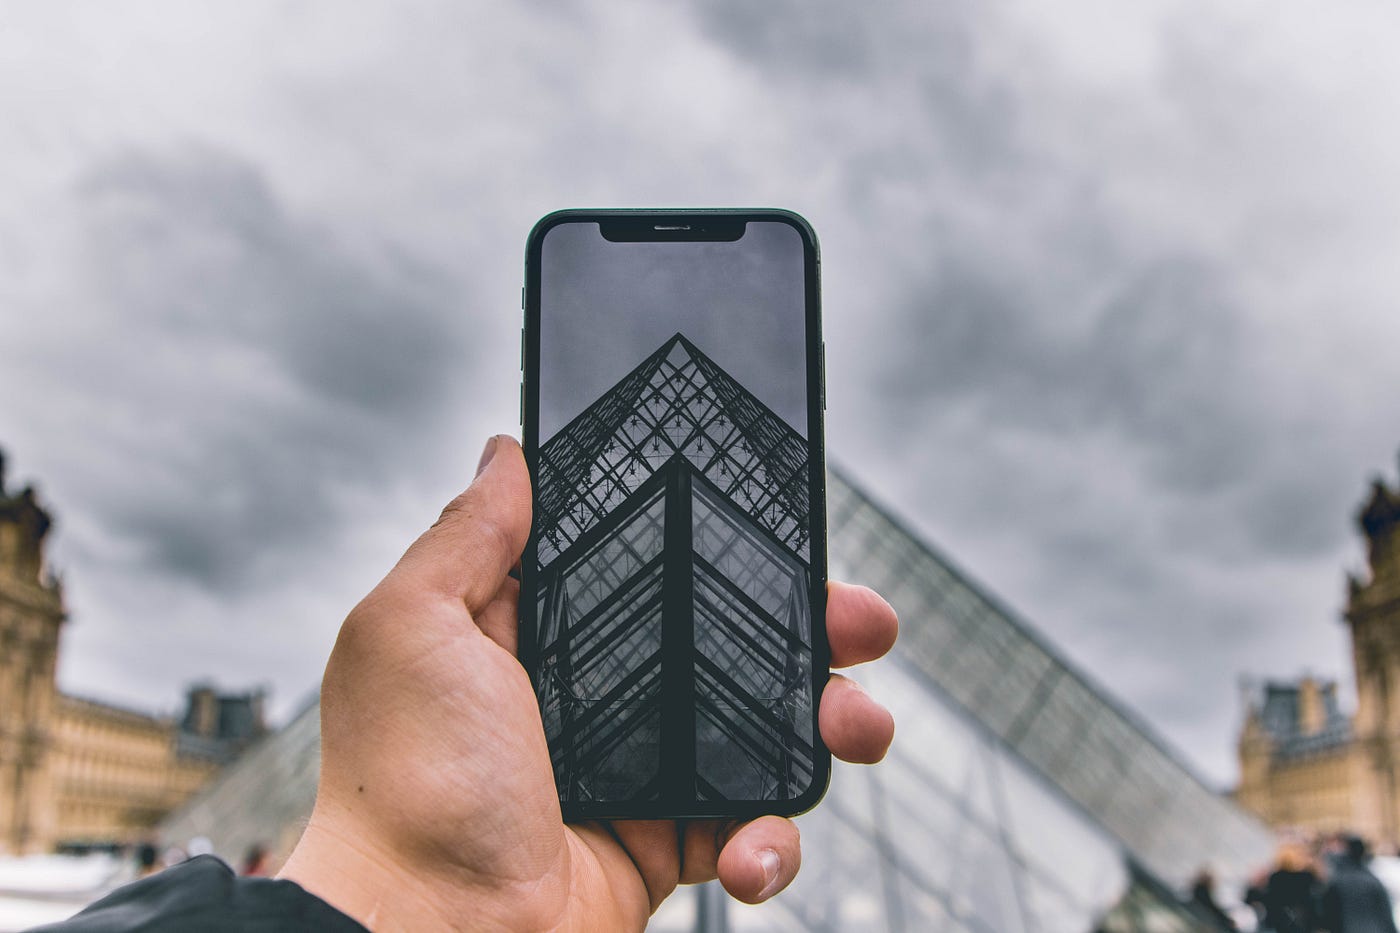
(1109, 297)
(605, 306)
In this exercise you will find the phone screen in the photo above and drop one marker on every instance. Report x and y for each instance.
(677, 559)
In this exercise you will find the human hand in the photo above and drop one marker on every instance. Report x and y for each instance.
(436, 807)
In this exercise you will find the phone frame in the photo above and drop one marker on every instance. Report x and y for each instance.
(663, 225)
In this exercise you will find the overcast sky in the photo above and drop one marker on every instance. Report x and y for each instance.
(605, 306)
(1109, 292)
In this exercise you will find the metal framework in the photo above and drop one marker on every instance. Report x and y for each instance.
(674, 636)
(676, 401)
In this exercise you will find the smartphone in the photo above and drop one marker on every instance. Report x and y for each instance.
(673, 590)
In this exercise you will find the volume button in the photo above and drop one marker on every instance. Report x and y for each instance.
(522, 349)
(823, 375)
(522, 404)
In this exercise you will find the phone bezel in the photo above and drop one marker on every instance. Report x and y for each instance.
(682, 225)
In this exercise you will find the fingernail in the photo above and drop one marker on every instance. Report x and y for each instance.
(487, 454)
(769, 861)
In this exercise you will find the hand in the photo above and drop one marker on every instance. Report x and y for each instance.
(436, 807)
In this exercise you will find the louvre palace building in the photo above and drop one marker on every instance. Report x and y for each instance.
(77, 773)
(1306, 765)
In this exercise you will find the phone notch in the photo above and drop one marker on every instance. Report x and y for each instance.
(672, 229)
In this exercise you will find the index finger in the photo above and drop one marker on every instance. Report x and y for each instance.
(860, 625)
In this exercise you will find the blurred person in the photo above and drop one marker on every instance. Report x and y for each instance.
(1203, 898)
(1331, 851)
(1290, 895)
(254, 861)
(1355, 901)
(436, 807)
(1254, 895)
(146, 859)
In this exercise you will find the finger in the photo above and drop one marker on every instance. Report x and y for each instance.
(627, 904)
(860, 625)
(655, 851)
(760, 859)
(853, 726)
(499, 619)
(701, 842)
(480, 534)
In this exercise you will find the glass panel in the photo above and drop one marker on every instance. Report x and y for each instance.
(600, 649)
(1073, 856)
(753, 664)
(983, 885)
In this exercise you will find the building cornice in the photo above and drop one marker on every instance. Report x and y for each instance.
(1379, 597)
(33, 597)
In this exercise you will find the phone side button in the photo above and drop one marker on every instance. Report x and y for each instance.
(522, 404)
(522, 349)
(823, 376)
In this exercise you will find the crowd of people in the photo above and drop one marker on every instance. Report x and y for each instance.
(149, 859)
(1324, 884)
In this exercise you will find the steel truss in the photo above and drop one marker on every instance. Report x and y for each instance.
(674, 636)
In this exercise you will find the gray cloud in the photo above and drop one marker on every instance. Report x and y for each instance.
(199, 246)
(1157, 362)
(822, 42)
(284, 369)
(922, 66)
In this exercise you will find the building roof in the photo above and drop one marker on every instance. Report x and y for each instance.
(1281, 716)
(259, 799)
(115, 712)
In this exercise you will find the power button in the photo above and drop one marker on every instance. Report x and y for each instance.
(823, 375)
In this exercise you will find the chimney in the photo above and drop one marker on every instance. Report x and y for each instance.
(202, 713)
(1312, 711)
(259, 709)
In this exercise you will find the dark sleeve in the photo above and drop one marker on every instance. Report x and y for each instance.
(204, 894)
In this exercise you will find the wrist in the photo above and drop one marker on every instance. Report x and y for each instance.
(348, 873)
(350, 870)
(344, 862)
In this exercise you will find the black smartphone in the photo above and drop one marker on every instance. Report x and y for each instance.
(673, 591)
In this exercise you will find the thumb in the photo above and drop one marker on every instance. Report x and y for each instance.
(480, 535)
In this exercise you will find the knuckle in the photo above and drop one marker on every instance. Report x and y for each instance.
(460, 505)
(484, 525)
(496, 536)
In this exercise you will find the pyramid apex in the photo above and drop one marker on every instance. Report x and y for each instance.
(677, 349)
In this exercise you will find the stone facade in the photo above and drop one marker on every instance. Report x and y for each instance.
(1298, 768)
(1303, 764)
(31, 615)
(76, 772)
(115, 772)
